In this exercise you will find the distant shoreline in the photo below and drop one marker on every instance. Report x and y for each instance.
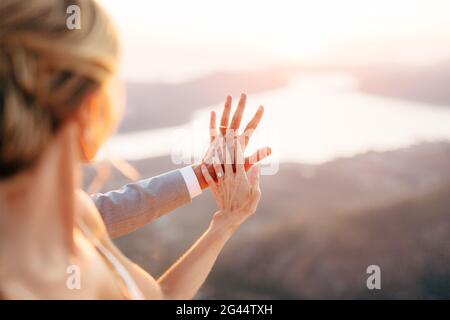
(159, 105)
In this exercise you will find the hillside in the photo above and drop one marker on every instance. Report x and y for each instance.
(159, 105)
(328, 259)
(427, 84)
(331, 219)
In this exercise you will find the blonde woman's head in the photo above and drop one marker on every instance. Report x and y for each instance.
(48, 73)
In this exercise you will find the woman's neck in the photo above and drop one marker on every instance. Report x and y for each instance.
(37, 208)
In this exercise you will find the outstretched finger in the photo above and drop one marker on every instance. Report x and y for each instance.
(237, 117)
(212, 126)
(208, 178)
(225, 116)
(219, 149)
(252, 125)
(257, 157)
(218, 169)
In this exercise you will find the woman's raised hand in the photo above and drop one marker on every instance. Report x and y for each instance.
(237, 195)
(226, 127)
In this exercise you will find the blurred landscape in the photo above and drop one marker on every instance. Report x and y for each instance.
(427, 84)
(318, 226)
(357, 112)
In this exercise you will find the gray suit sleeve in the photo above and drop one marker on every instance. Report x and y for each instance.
(136, 204)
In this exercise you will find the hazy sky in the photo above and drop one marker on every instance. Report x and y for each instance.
(174, 39)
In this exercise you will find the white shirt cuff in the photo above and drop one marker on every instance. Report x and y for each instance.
(191, 181)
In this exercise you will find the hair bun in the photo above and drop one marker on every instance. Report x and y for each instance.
(45, 72)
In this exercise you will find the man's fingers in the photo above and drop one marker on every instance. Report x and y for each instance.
(252, 125)
(209, 154)
(212, 126)
(218, 169)
(237, 117)
(225, 116)
(208, 177)
(257, 157)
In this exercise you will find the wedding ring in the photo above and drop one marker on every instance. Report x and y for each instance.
(219, 175)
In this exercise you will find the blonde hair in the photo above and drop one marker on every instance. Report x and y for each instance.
(46, 71)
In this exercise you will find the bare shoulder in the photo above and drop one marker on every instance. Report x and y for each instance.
(91, 217)
(88, 213)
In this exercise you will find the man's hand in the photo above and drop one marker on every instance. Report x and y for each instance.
(233, 129)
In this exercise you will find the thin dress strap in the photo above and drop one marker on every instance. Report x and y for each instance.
(129, 286)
